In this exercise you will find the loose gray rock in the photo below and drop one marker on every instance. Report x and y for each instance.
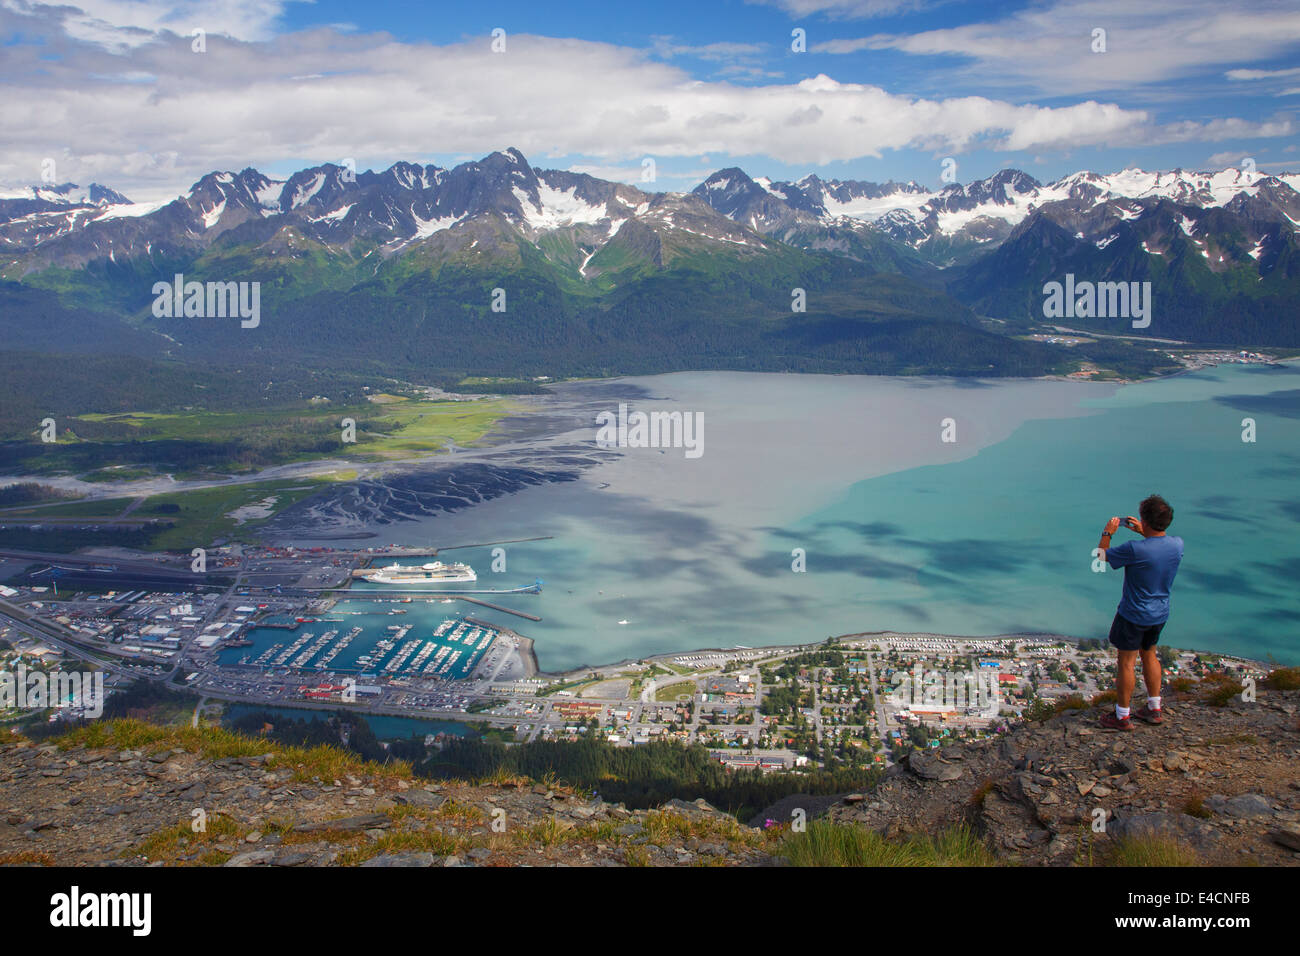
(401, 859)
(932, 768)
(1248, 805)
(370, 821)
(1287, 836)
(1177, 826)
(421, 798)
(252, 858)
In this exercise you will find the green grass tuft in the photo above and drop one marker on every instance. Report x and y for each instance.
(829, 844)
(1151, 851)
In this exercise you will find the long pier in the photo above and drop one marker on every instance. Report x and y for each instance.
(350, 595)
(489, 544)
(400, 551)
(498, 607)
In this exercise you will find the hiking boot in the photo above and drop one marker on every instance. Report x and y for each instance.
(1150, 716)
(1111, 722)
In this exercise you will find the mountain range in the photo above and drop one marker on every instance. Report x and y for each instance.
(986, 211)
(399, 268)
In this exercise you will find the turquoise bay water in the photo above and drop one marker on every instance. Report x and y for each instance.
(1001, 542)
(990, 535)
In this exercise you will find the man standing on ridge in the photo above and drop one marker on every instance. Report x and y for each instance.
(1149, 569)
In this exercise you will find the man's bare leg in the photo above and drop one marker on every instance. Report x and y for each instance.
(1151, 672)
(1125, 679)
(1150, 711)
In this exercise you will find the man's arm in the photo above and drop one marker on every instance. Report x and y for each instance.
(1104, 544)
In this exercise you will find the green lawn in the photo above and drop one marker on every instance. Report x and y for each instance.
(117, 473)
(205, 513)
(426, 426)
(199, 515)
(666, 695)
(392, 427)
(395, 427)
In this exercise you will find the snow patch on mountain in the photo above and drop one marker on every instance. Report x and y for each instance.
(213, 215)
(129, 210)
(337, 215)
(268, 196)
(304, 193)
(424, 228)
(558, 207)
(952, 222)
(869, 209)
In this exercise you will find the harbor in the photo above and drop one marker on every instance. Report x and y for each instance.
(450, 651)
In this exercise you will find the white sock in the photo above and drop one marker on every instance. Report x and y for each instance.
(1153, 703)
(1121, 712)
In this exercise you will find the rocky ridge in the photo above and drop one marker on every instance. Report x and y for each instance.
(1220, 780)
(101, 806)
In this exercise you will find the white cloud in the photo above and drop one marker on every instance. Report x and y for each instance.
(667, 46)
(681, 177)
(120, 25)
(1048, 47)
(845, 9)
(734, 59)
(1229, 157)
(1214, 131)
(321, 95)
(1261, 74)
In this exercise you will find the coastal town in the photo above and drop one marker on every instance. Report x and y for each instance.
(857, 699)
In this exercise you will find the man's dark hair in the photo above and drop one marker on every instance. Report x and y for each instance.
(1156, 513)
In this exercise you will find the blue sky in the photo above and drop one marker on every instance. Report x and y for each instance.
(885, 89)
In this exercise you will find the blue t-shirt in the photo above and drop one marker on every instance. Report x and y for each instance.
(1149, 567)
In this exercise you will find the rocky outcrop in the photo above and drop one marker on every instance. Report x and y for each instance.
(144, 807)
(1222, 781)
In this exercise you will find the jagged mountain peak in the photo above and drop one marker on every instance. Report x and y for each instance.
(1016, 179)
(67, 194)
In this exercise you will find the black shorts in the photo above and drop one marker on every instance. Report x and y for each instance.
(1128, 636)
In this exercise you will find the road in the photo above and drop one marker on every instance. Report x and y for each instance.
(876, 702)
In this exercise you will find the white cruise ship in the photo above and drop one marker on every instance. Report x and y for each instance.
(433, 574)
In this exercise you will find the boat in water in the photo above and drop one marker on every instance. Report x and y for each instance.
(426, 575)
